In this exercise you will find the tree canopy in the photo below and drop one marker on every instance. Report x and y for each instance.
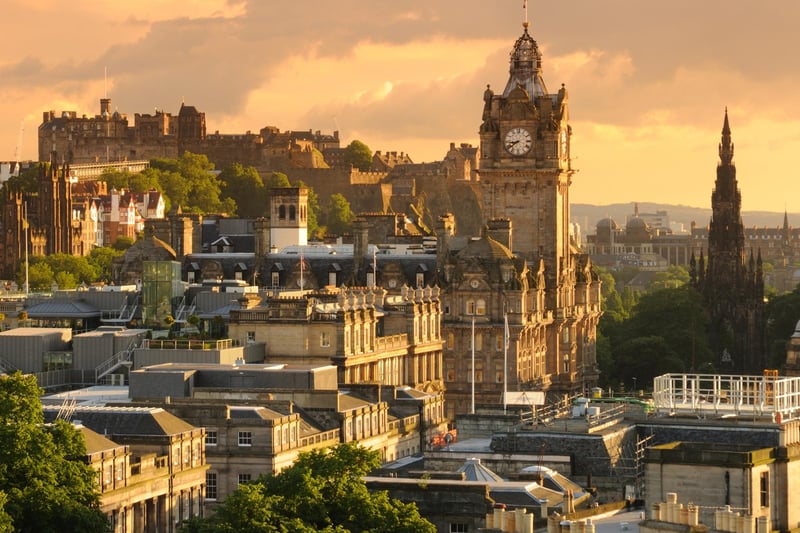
(339, 217)
(46, 486)
(245, 187)
(191, 183)
(323, 491)
(359, 155)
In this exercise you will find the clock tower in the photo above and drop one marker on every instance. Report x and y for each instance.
(525, 175)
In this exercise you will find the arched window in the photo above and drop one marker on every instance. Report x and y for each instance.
(282, 212)
(292, 212)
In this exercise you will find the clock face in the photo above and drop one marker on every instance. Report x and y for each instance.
(518, 141)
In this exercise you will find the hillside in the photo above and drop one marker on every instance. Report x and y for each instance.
(587, 215)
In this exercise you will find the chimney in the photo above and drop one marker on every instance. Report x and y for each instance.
(499, 229)
(360, 246)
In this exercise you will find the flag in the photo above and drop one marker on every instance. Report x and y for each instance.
(506, 336)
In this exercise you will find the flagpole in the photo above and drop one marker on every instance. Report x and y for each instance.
(473, 365)
(505, 361)
(25, 223)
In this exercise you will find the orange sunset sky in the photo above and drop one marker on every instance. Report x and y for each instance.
(648, 81)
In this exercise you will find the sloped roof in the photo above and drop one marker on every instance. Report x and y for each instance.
(117, 422)
(67, 308)
(485, 248)
(473, 470)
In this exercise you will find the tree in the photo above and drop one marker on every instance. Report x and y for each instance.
(359, 155)
(190, 182)
(47, 485)
(340, 217)
(246, 188)
(116, 179)
(671, 320)
(322, 491)
(122, 243)
(40, 275)
(102, 258)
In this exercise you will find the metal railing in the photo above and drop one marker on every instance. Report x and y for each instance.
(123, 357)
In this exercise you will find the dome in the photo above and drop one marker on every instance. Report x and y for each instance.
(526, 67)
(636, 223)
(486, 248)
(607, 223)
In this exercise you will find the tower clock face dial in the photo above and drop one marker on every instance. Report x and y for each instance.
(518, 141)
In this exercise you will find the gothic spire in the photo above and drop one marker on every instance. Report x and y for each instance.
(726, 145)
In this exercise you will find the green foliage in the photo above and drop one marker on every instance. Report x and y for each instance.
(277, 180)
(675, 276)
(28, 179)
(190, 182)
(68, 271)
(245, 187)
(40, 275)
(666, 332)
(322, 491)
(358, 155)
(116, 179)
(102, 258)
(339, 216)
(122, 243)
(65, 280)
(47, 486)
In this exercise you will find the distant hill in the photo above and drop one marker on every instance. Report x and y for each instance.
(587, 215)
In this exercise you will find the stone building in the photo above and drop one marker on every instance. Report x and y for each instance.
(259, 417)
(525, 175)
(732, 285)
(45, 222)
(151, 466)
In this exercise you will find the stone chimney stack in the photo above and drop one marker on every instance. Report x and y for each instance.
(360, 247)
(445, 229)
(499, 229)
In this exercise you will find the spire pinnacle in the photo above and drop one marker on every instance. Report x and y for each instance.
(726, 145)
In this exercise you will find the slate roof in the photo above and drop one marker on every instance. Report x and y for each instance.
(67, 308)
(473, 470)
(125, 421)
(96, 442)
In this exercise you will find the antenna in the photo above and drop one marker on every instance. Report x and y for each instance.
(18, 150)
(105, 80)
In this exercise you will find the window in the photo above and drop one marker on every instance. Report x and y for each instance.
(470, 307)
(244, 478)
(251, 337)
(325, 339)
(276, 279)
(420, 280)
(459, 527)
(211, 485)
(211, 438)
(451, 340)
(245, 438)
(480, 307)
(764, 492)
(332, 279)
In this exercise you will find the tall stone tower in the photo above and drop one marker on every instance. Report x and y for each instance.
(288, 220)
(731, 284)
(525, 176)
